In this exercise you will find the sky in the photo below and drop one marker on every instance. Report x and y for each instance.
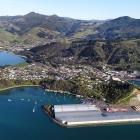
(78, 9)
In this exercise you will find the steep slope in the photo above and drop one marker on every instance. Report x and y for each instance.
(22, 24)
(120, 28)
(120, 55)
(123, 27)
(38, 28)
(33, 28)
(6, 36)
(114, 42)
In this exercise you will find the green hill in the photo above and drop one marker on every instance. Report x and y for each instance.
(122, 27)
(121, 54)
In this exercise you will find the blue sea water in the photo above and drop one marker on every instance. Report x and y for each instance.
(21, 117)
(7, 58)
(135, 82)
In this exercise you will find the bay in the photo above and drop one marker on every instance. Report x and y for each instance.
(18, 121)
(7, 58)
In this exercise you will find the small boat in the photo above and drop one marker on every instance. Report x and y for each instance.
(33, 109)
(34, 106)
(9, 100)
(22, 99)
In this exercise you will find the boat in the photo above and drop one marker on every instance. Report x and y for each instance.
(33, 109)
(9, 100)
(34, 106)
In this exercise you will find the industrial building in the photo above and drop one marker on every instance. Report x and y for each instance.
(85, 115)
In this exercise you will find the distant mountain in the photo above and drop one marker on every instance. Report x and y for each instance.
(22, 24)
(115, 42)
(122, 27)
(34, 27)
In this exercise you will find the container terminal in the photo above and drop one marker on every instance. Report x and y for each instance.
(75, 115)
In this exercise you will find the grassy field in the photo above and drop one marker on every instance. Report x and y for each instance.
(127, 99)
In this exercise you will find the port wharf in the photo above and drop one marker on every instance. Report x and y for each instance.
(76, 115)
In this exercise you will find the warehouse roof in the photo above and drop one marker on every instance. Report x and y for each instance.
(74, 108)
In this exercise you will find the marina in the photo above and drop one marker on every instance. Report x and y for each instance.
(18, 118)
(69, 70)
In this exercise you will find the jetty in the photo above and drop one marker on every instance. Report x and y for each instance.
(75, 115)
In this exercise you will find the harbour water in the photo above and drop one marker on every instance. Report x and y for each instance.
(7, 58)
(21, 117)
(135, 82)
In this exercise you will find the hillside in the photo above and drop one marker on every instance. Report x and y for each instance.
(121, 54)
(53, 39)
(122, 27)
(119, 28)
(32, 20)
(34, 28)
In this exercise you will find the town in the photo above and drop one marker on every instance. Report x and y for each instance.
(38, 71)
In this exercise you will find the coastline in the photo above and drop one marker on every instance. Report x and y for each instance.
(64, 92)
(94, 123)
(48, 90)
(14, 53)
(79, 124)
(18, 86)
